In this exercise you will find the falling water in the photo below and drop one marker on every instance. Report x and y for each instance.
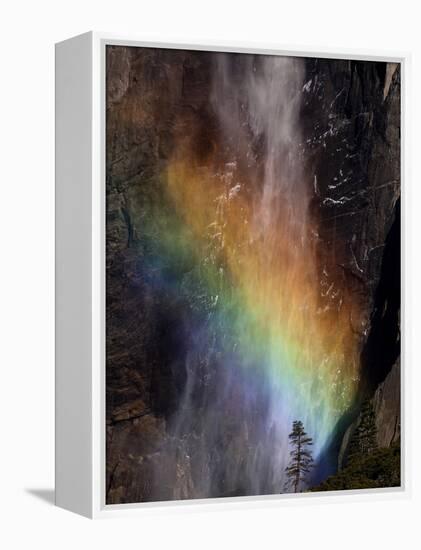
(261, 353)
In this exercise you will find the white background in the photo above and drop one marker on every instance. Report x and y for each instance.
(28, 32)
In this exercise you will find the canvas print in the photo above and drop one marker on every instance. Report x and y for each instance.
(252, 274)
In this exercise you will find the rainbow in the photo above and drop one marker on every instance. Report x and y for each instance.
(239, 230)
(265, 291)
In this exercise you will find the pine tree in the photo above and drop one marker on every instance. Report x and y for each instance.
(301, 457)
(364, 438)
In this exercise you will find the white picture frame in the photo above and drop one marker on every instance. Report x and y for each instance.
(80, 278)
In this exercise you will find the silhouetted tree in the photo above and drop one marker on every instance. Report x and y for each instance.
(364, 438)
(301, 458)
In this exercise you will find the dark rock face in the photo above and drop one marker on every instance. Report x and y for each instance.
(387, 406)
(352, 118)
(143, 382)
(351, 127)
(386, 403)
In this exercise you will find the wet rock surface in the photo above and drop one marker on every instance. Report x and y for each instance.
(352, 117)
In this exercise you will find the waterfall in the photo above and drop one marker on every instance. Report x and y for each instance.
(257, 101)
(262, 104)
(260, 352)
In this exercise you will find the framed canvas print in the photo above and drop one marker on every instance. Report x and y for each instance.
(228, 274)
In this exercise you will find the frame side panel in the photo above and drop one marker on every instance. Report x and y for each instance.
(73, 83)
